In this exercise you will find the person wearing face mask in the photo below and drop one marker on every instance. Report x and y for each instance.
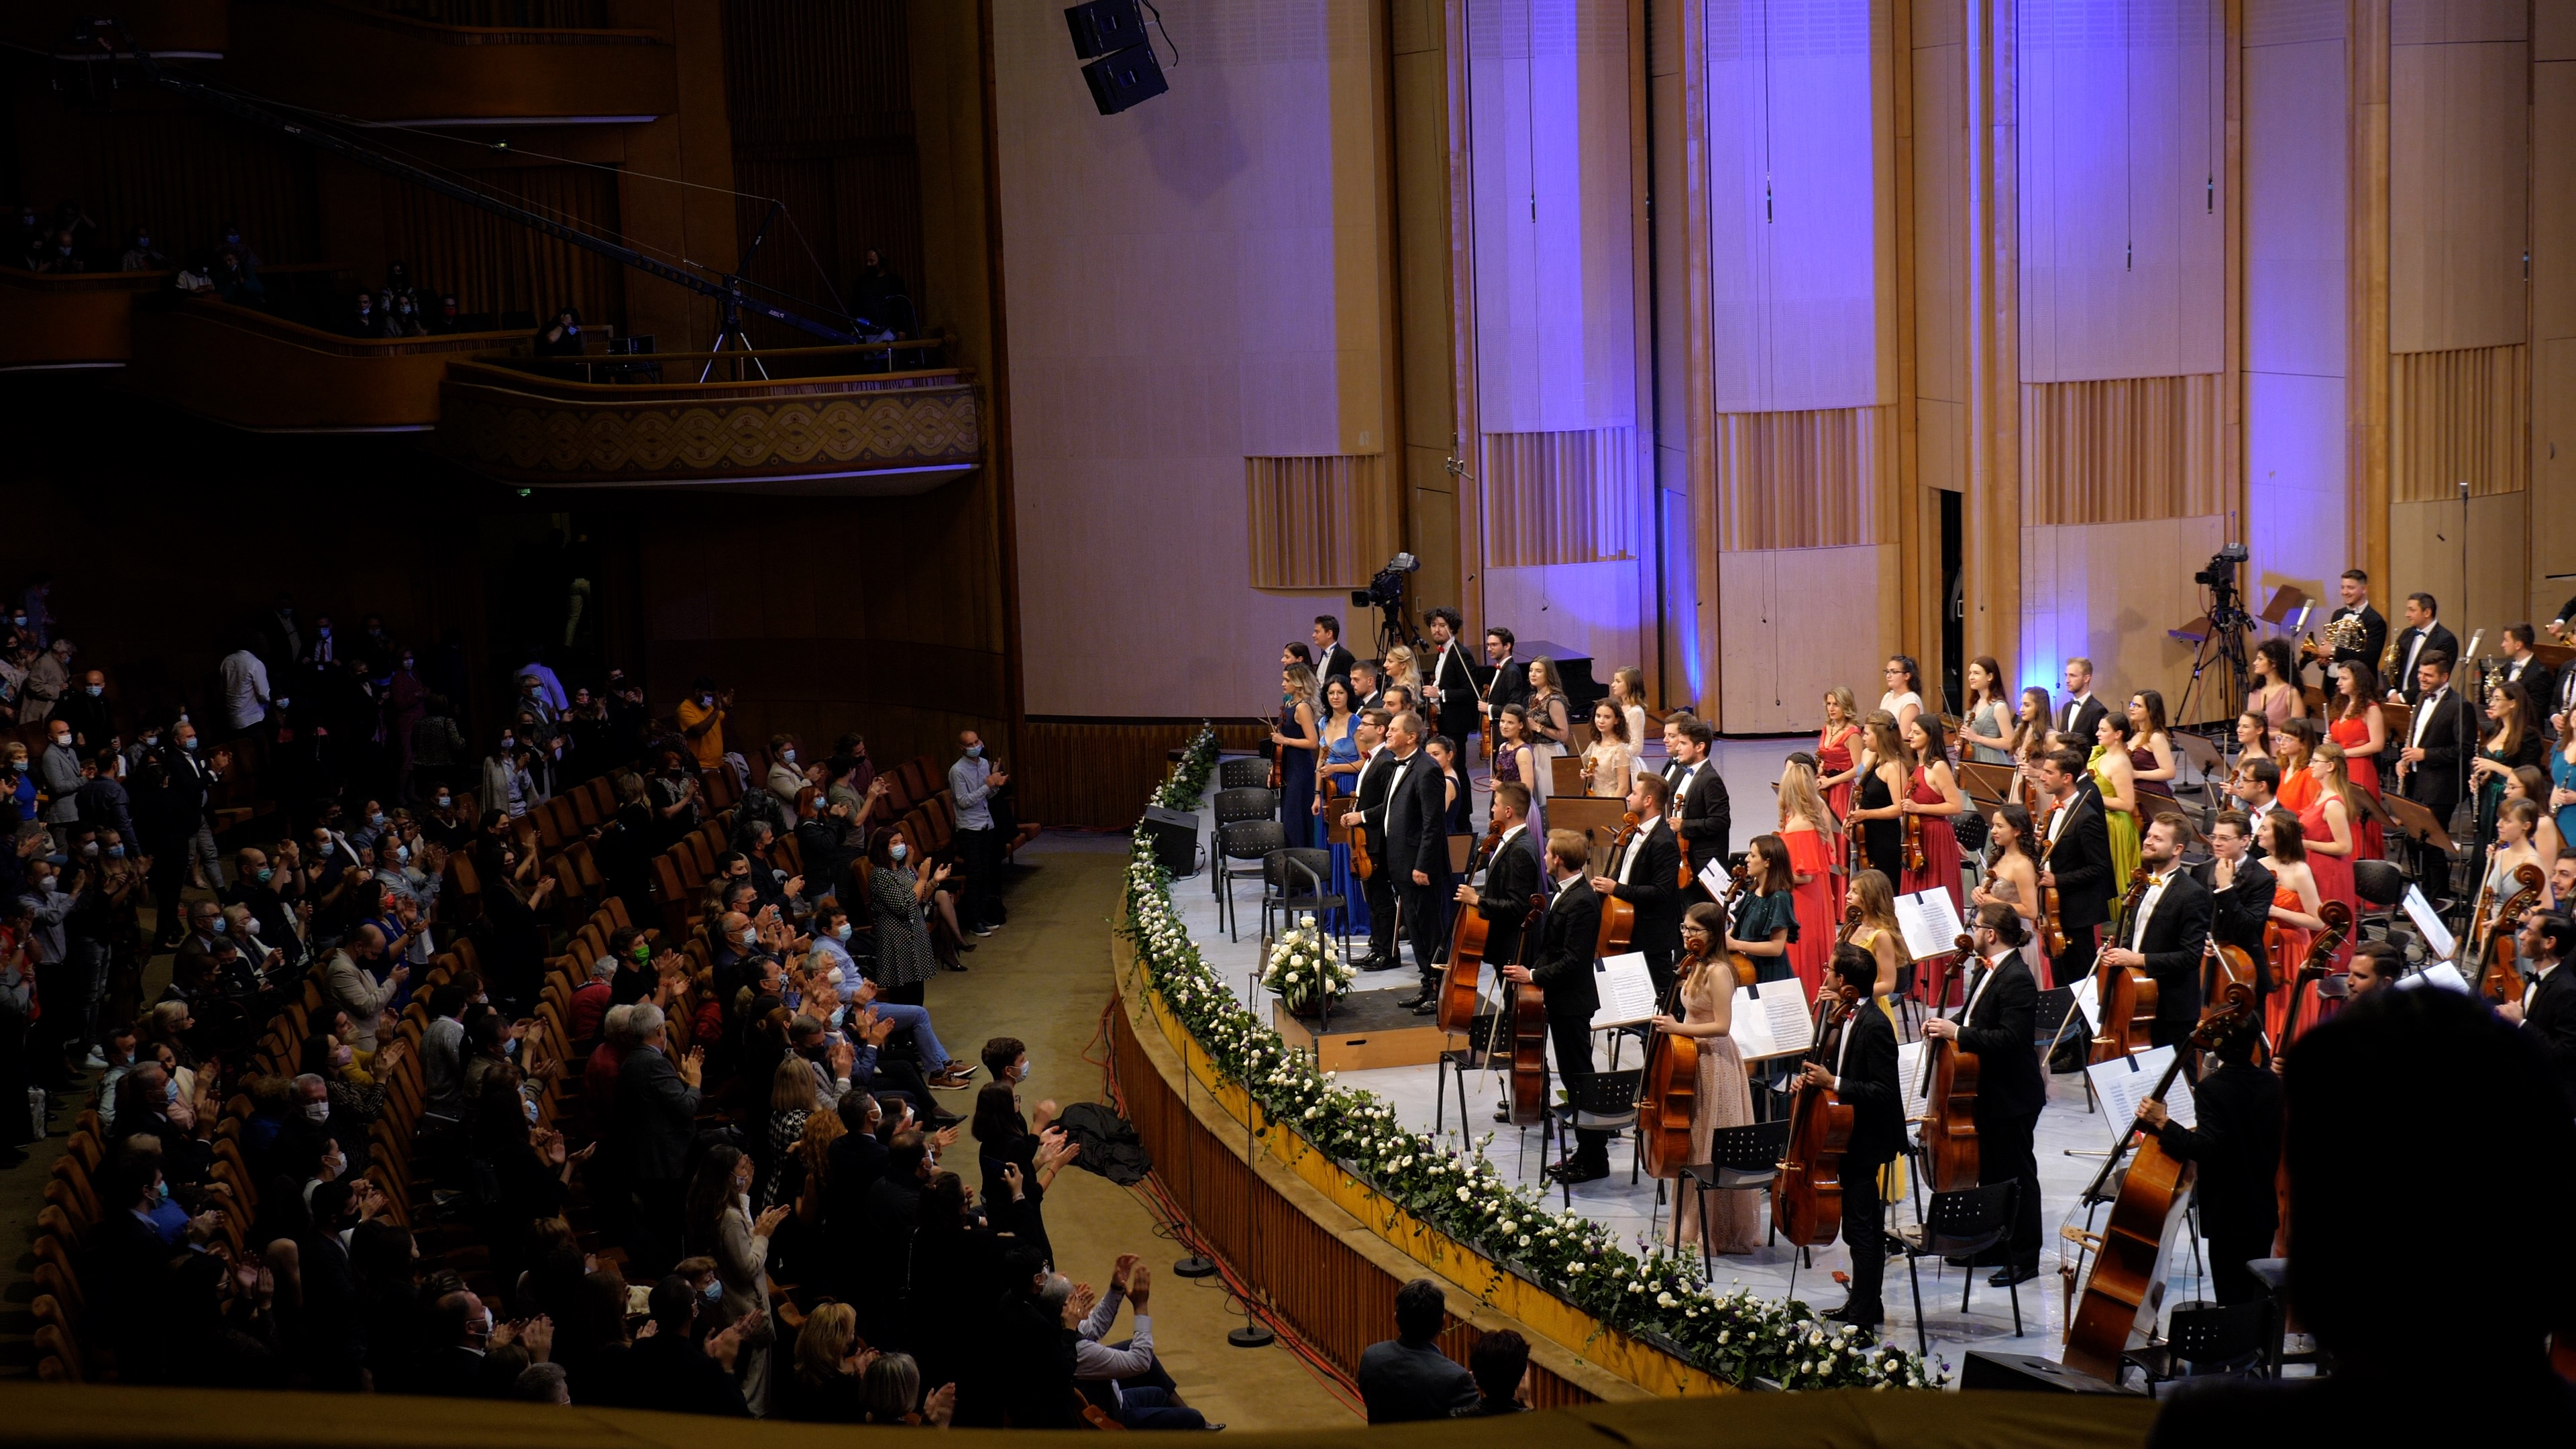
(785, 780)
(175, 824)
(720, 1225)
(701, 718)
(103, 803)
(255, 889)
(348, 982)
(48, 680)
(85, 709)
(58, 771)
(899, 892)
(972, 783)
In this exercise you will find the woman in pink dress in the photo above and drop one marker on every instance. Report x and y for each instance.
(1804, 828)
(2353, 721)
(1837, 766)
(2328, 824)
(1932, 797)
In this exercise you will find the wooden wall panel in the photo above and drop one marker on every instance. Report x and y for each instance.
(1316, 523)
(1819, 479)
(2458, 189)
(2109, 592)
(1798, 622)
(2429, 543)
(1096, 774)
(2121, 450)
(2553, 313)
(1559, 498)
(2457, 417)
(495, 266)
(177, 169)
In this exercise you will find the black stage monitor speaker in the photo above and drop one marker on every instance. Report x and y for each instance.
(1176, 839)
(1121, 80)
(2030, 1374)
(1104, 27)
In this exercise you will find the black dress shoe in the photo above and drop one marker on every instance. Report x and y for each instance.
(1503, 1113)
(1429, 1006)
(1574, 1174)
(1419, 998)
(1845, 1314)
(1380, 963)
(2007, 1277)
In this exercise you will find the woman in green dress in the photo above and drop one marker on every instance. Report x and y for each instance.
(2117, 779)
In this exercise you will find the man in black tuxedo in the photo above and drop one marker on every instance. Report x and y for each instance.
(2522, 667)
(2081, 715)
(1703, 818)
(2240, 894)
(1449, 677)
(2440, 740)
(1505, 679)
(2547, 1012)
(2170, 932)
(1858, 1064)
(2237, 1143)
(1512, 877)
(2423, 636)
(1330, 657)
(1562, 970)
(1368, 812)
(1643, 876)
(1997, 1026)
(2075, 857)
(2355, 587)
(1417, 847)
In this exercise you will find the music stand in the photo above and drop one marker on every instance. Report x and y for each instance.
(2556, 656)
(2416, 821)
(1988, 785)
(2286, 600)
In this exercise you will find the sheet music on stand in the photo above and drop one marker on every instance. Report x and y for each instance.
(2123, 1082)
(1930, 921)
(2084, 1002)
(2437, 936)
(1909, 1081)
(2441, 973)
(1627, 992)
(1771, 1020)
(1714, 878)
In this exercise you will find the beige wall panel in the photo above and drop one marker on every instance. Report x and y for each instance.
(2123, 245)
(2459, 150)
(2454, 22)
(2424, 553)
(2109, 592)
(2553, 477)
(1941, 452)
(2553, 33)
(2294, 208)
(1797, 623)
(1749, 685)
(1191, 283)
(1581, 606)
(1940, 222)
(2553, 199)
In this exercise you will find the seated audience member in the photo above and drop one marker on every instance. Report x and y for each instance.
(1407, 1377)
(668, 1369)
(141, 255)
(1500, 1362)
(828, 1384)
(1123, 1379)
(2386, 1069)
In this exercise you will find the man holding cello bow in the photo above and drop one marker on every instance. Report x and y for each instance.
(2169, 936)
(1562, 970)
(1997, 1027)
(1643, 876)
(1863, 1076)
(1511, 876)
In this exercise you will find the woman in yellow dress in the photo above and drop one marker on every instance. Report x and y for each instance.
(1884, 940)
(2117, 779)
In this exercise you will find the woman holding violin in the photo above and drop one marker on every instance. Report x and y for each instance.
(1807, 828)
(1299, 743)
(1766, 925)
(1706, 984)
(1876, 816)
(2012, 878)
(1933, 799)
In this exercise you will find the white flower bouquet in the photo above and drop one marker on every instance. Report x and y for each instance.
(1304, 970)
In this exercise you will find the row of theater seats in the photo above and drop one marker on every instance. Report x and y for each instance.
(68, 1346)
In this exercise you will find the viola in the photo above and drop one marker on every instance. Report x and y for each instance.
(2129, 1254)
(2124, 996)
(1950, 1095)
(1529, 1031)
(1618, 917)
(1457, 1009)
(2051, 920)
(1807, 1195)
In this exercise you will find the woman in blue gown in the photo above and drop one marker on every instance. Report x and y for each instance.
(1340, 771)
(1298, 742)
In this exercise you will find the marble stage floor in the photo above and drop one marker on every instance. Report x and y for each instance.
(2066, 1126)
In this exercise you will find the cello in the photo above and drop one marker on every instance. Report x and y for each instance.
(2124, 996)
(1668, 1089)
(1950, 1098)
(1467, 939)
(1529, 1031)
(1618, 917)
(1807, 1195)
(2129, 1262)
(2499, 979)
(2318, 965)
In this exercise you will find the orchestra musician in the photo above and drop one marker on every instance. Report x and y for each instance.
(2529, 670)
(1997, 1025)
(2082, 714)
(2439, 740)
(2237, 1142)
(2547, 1012)
(2423, 636)
(2354, 587)
(1703, 818)
(1562, 970)
(1368, 811)
(2170, 933)
(1511, 877)
(1863, 1075)
(1449, 683)
(2242, 895)
(2561, 895)
(1417, 847)
(2075, 859)
(1331, 658)
(1706, 1003)
(1643, 876)
(2376, 965)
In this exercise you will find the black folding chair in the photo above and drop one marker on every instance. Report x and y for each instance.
(2206, 1338)
(1292, 883)
(1243, 847)
(1741, 1159)
(1961, 1223)
(1243, 773)
(1602, 1102)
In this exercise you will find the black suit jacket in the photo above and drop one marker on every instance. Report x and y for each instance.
(1453, 676)
(1336, 661)
(2450, 737)
(2539, 688)
(1506, 683)
(1511, 878)
(1402, 1381)
(1650, 889)
(2435, 637)
(2081, 861)
(1417, 822)
(1704, 817)
(1563, 966)
(2549, 1015)
(2374, 636)
(2175, 939)
(1866, 1082)
(2000, 1028)
(657, 1116)
(1374, 777)
(2238, 1147)
(2087, 719)
(2238, 914)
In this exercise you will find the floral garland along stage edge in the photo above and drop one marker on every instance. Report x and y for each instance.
(1658, 1297)
(1304, 971)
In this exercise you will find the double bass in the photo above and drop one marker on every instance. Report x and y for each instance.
(2124, 996)
(1457, 1010)
(1950, 1098)
(1807, 1195)
(1529, 1030)
(2499, 979)
(1618, 917)
(1668, 1090)
(2129, 1260)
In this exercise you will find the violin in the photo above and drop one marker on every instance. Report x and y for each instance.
(2129, 1261)
(2052, 926)
(2320, 961)
(1807, 1195)
(1457, 1008)
(1913, 840)
(2499, 979)
(2124, 996)
(1668, 1090)
(1618, 917)
(1529, 1030)
(1279, 755)
(1950, 1094)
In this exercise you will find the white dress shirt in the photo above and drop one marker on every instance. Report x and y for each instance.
(2147, 905)
(2424, 712)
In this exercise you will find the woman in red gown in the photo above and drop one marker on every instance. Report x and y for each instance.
(2295, 922)
(1804, 829)
(2331, 838)
(1932, 796)
(2353, 721)
(1837, 766)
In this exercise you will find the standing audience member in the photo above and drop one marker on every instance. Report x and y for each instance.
(1407, 1377)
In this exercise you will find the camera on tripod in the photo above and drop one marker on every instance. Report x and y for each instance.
(2221, 573)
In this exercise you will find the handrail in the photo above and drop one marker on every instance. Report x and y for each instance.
(916, 344)
(499, 375)
(106, 280)
(286, 329)
(439, 33)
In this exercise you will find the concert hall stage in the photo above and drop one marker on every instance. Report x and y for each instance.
(1633, 1210)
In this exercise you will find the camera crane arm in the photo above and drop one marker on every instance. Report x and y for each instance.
(727, 291)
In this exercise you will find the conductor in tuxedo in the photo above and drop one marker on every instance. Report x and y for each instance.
(2082, 713)
(2076, 858)
(2547, 1012)
(1858, 1063)
(1417, 847)
(1368, 811)
(1504, 679)
(1997, 1027)
(1448, 676)
(2170, 934)
(2237, 1144)
(1703, 818)
(1644, 876)
(2440, 740)
(1512, 877)
(1562, 970)
(1330, 657)
(2422, 638)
